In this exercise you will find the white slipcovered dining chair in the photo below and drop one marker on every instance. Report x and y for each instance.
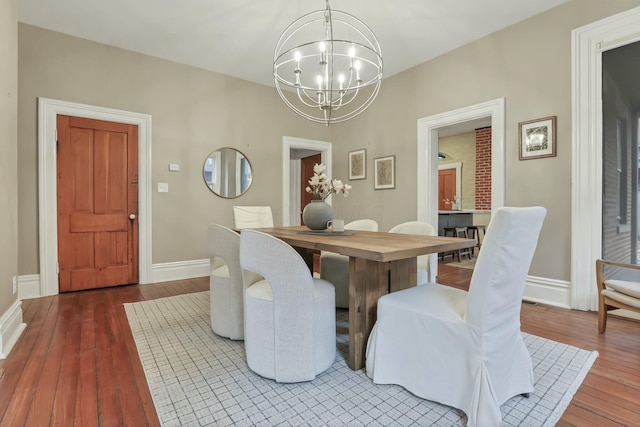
(289, 316)
(225, 282)
(463, 349)
(335, 267)
(423, 229)
(252, 217)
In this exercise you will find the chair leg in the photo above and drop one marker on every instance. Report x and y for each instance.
(473, 234)
(602, 315)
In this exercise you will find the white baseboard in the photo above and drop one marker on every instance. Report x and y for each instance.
(548, 291)
(11, 326)
(537, 289)
(28, 286)
(180, 270)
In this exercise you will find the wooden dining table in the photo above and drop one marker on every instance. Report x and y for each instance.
(379, 263)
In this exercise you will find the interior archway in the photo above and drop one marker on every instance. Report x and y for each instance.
(428, 135)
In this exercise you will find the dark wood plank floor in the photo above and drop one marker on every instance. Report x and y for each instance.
(76, 363)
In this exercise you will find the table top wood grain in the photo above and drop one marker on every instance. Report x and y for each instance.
(373, 245)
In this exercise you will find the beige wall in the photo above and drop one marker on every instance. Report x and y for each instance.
(530, 65)
(193, 112)
(9, 148)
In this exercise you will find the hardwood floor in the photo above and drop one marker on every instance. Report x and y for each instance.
(76, 363)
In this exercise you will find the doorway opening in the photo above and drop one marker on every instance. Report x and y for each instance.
(620, 107)
(429, 131)
(293, 149)
(588, 44)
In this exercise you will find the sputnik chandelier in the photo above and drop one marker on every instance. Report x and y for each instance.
(327, 66)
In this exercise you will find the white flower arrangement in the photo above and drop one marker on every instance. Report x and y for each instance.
(321, 187)
(456, 202)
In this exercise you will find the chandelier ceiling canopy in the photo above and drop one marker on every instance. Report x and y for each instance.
(327, 66)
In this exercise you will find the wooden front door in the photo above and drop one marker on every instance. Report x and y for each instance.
(446, 188)
(306, 172)
(97, 169)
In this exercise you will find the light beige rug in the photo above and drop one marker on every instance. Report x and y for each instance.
(197, 378)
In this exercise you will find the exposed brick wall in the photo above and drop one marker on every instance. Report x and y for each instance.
(483, 168)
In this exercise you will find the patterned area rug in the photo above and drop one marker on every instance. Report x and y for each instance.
(197, 378)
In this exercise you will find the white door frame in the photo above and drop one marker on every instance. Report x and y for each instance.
(428, 138)
(587, 44)
(48, 110)
(289, 143)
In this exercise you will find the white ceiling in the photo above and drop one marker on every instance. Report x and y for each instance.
(237, 37)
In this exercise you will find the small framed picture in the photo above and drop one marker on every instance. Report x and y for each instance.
(385, 172)
(357, 164)
(537, 138)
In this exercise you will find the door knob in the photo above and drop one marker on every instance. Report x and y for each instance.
(132, 216)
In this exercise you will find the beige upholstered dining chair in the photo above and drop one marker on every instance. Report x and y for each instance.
(225, 282)
(463, 349)
(335, 267)
(289, 316)
(616, 293)
(423, 229)
(252, 217)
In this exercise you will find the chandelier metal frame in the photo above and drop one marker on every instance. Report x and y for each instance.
(328, 78)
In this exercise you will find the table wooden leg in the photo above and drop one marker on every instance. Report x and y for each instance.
(403, 274)
(368, 281)
(307, 255)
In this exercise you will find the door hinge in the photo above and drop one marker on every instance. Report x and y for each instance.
(57, 268)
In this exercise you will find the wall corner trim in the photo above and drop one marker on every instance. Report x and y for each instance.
(11, 327)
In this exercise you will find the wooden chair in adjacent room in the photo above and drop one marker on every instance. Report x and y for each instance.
(616, 293)
(460, 232)
(476, 232)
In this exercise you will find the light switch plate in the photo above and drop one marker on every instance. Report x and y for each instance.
(174, 167)
(163, 187)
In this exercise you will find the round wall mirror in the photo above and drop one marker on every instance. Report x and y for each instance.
(227, 172)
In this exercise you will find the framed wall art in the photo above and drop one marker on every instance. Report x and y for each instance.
(385, 172)
(537, 138)
(357, 164)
